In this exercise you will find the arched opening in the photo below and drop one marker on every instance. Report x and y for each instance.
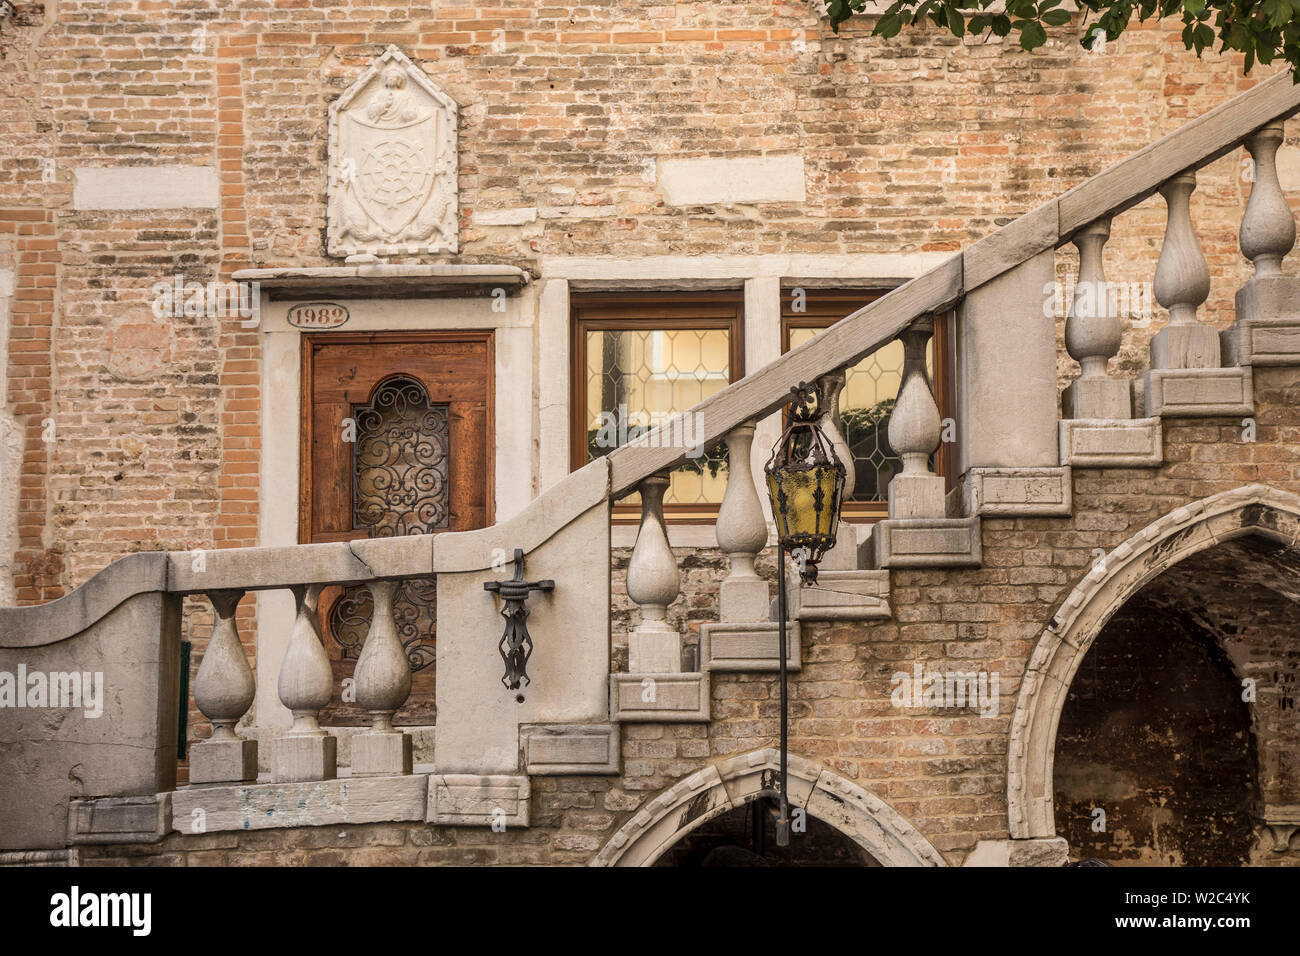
(1156, 758)
(749, 781)
(746, 836)
(1153, 723)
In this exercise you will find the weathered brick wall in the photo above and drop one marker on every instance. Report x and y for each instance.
(922, 143)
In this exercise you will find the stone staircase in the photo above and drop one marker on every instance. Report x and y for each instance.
(1017, 454)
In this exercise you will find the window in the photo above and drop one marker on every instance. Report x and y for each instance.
(640, 359)
(870, 389)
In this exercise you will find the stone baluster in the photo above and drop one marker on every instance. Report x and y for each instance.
(1267, 326)
(1182, 284)
(915, 430)
(742, 534)
(383, 682)
(305, 751)
(223, 692)
(1268, 227)
(653, 582)
(1093, 334)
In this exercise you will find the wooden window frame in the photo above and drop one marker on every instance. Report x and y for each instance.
(618, 311)
(306, 378)
(825, 307)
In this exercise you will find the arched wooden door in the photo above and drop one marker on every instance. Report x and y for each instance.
(397, 432)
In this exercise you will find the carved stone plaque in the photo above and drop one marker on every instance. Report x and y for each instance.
(392, 163)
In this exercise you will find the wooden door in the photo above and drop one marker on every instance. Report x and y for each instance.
(397, 439)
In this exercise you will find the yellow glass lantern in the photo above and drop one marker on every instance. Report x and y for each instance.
(805, 480)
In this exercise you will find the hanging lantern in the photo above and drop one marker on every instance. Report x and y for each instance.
(805, 480)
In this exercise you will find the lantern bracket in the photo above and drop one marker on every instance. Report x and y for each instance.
(516, 645)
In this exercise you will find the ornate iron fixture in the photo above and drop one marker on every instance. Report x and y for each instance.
(805, 481)
(516, 646)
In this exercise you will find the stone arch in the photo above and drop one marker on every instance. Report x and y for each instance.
(861, 816)
(1253, 509)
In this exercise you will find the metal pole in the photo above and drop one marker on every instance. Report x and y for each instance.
(783, 823)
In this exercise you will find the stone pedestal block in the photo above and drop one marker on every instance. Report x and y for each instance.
(223, 761)
(1198, 392)
(1097, 443)
(917, 496)
(1098, 398)
(639, 697)
(845, 596)
(143, 819)
(654, 650)
(748, 647)
(554, 749)
(1017, 491)
(1267, 330)
(300, 757)
(472, 800)
(927, 543)
(379, 753)
(742, 599)
(1192, 346)
(844, 556)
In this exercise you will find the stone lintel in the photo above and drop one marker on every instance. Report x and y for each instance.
(845, 596)
(271, 806)
(1017, 491)
(474, 800)
(748, 647)
(1112, 443)
(143, 819)
(927, 543)
(554, 749)
(384, 281)
(1199, 392)
(658, 698)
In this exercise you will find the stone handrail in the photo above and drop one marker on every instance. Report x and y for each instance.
(262, 569)
(1056, 222)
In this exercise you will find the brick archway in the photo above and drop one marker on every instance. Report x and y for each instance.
(1254, 509)
(861, 816)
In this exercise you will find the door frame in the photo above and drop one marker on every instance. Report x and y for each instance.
(305, 379)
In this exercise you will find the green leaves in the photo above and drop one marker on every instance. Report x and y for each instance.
(1032, 34)
(1261, 30)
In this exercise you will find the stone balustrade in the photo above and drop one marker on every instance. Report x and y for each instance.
(224, 691)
